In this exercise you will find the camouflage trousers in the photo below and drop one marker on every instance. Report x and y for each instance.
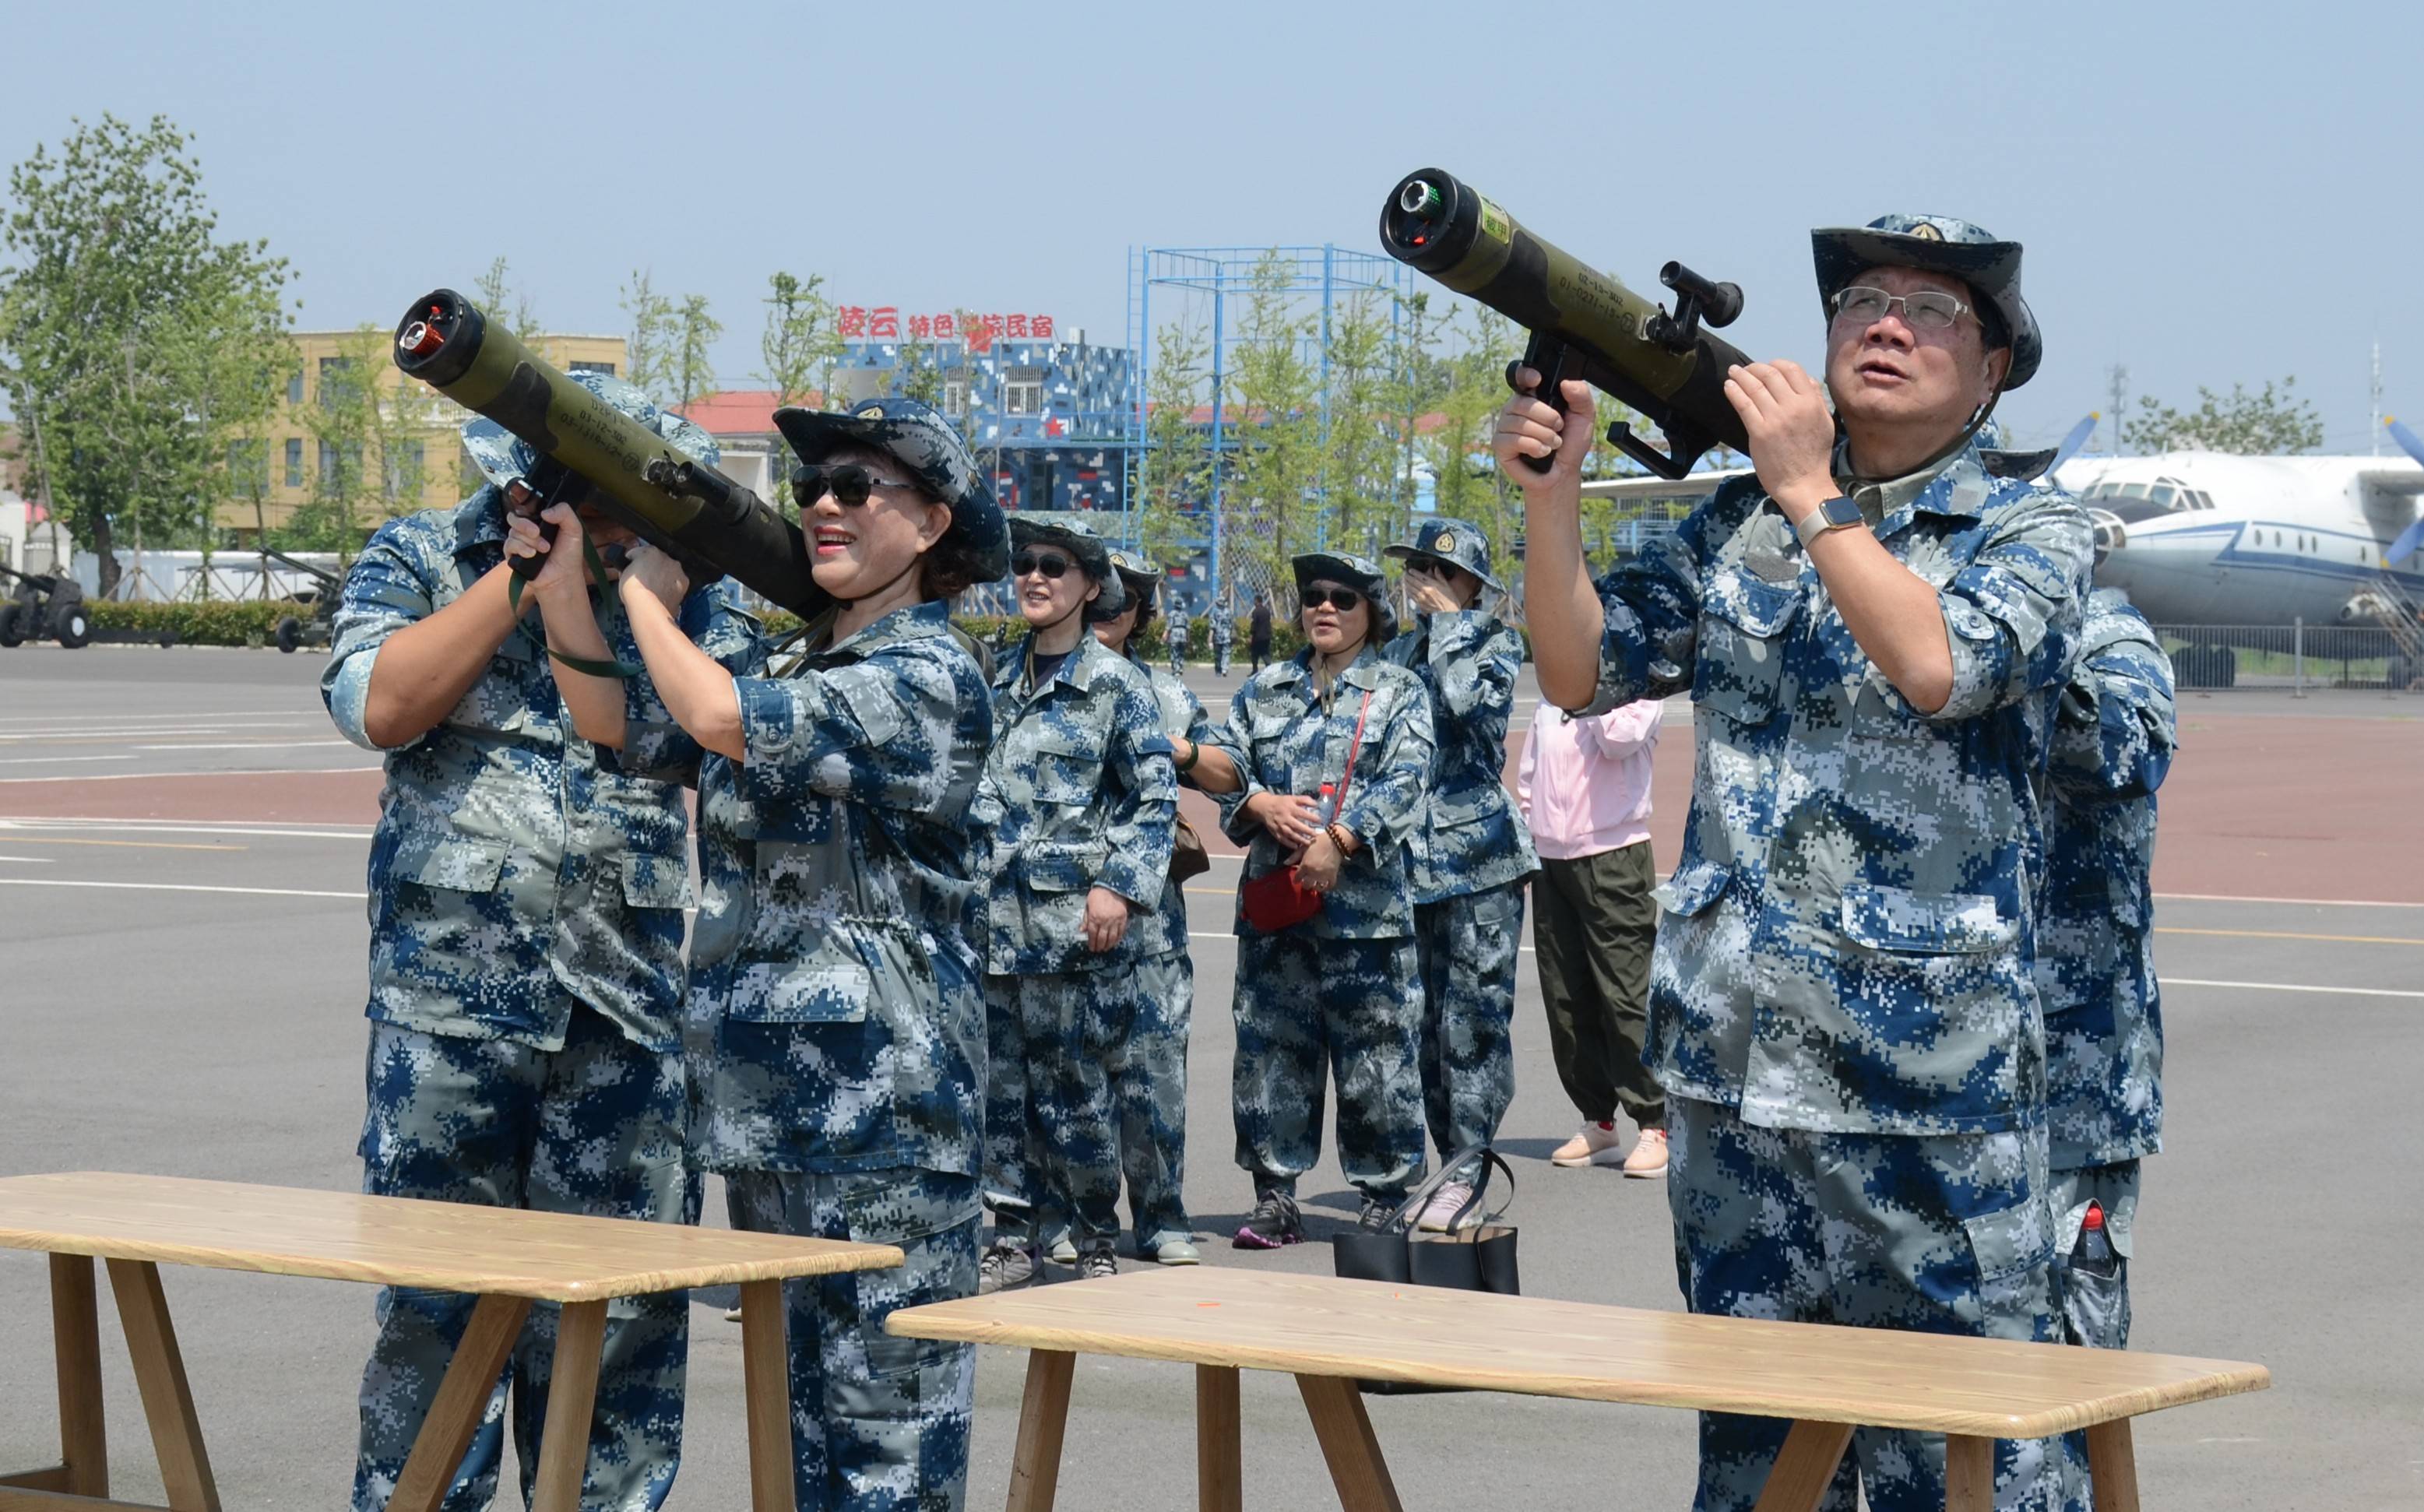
(1052, 1128)
(1467, 946)
(2094, 1309)
(1150, 1078)
(593, 1128)
(1308, 1008)
(878, 1423)
(1945, 1234)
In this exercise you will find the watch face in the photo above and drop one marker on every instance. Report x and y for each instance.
(1840, 511)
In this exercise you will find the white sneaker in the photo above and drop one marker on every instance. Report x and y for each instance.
(1594, 1146)
(1439, 1212)
(1648, 1157)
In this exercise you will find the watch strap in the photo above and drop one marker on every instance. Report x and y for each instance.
(1828, 516)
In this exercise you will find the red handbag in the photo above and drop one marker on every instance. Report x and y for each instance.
(1276, 899)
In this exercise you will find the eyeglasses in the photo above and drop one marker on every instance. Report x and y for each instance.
(1339, 598)
(1028, 564)
(1436, 566)
(1927, 311)
(850, 484)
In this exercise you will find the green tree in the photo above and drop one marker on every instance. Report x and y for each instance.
(917, 374)
(1466, 481)
(648, 350)
(2273, 423)
(135, 334)
(1361, 444)
(372, 435)
(1273, 408)
(1177, 475)
(799, 344)
(502, 300)
(690, 366)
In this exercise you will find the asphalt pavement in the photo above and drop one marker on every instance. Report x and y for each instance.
(181, 949)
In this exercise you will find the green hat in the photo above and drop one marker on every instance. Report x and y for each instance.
(1450, 540)
(1092, 554)
(1937, 244)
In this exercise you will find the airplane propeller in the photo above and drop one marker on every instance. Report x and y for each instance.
(2412, 536)
(2071, 443)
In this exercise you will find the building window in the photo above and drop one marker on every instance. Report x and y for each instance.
(295, 387)
(955, 393)
(1022, 391)
(336, 380)
(295, 456)
(341, 469)
(606, 368)
(249, 466)
(403, 476)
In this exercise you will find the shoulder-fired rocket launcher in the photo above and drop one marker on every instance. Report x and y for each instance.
(717, 527)
(1582, 324)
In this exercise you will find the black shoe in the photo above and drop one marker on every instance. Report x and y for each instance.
(1378, 1215)
(1273, 1222)
(1097, 1264)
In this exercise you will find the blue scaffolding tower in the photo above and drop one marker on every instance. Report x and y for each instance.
(1326, 273)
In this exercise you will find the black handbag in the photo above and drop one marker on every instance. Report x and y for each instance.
(1478, 1258)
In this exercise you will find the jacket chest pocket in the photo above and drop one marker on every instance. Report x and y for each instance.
(1064, 770)
(1746, 628)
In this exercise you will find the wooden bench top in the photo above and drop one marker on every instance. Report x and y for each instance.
(394, 1241)
(1320, 1326)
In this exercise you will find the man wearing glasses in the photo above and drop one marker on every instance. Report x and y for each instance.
(1874, 630)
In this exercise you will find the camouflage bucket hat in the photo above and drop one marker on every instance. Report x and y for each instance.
(1136, 571)
(1359, 572)
(925, 443)
(1936, 243)
(1092, 554)
(503, 457)
(1450, 540)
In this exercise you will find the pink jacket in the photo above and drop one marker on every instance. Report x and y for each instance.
(1585, 783)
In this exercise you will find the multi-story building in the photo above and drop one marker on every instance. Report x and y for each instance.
(323, 443)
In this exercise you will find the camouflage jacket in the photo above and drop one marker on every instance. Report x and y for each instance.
(838, 902)
(1183, 717)
(1077, 793)
(1287, 743)
(2113, 738)
(1849, 931)
(512, 874)
(1472, 837)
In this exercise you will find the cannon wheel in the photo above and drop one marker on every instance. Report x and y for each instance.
(71, 625)
(290, 635)
(10, 634)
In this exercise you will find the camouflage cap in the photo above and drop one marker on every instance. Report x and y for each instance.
(503, 457)
(1137, 570)
(1937, 244)
(1355, 572)
(1092, 554)
(930, 447)
(1450, 540)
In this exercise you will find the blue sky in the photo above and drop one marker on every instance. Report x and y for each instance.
(2208, 192)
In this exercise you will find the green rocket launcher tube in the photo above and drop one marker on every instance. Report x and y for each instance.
(681, 505)
(1582, 324)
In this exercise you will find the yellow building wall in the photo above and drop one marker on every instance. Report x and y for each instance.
(294, 451)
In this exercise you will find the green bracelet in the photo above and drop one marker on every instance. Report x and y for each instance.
(1194, 753)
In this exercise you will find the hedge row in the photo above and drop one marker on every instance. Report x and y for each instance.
(205, 624)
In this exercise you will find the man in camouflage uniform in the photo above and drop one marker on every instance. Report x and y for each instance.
(1472, 853)
(1079, 796)
(525, 973)
(1341, 992)
(1843, 1010)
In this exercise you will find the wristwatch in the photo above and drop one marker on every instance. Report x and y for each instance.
(1833, 515)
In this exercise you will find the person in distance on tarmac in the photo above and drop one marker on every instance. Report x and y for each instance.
(1472, 852)
(1875, 631)
(1078, 797)
(836, 1015)
(1341, 990)
(525, 973)
(1148, 1072)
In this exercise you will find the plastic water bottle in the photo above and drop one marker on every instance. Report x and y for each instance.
(2093, 1254)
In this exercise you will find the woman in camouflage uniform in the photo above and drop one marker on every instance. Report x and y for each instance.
(837, 1016)
(1150, 1075)
(1342, 988)
(1077, 796)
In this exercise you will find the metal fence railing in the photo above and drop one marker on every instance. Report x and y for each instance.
(2210, 657)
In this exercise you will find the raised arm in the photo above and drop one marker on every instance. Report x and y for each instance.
(2114, 729)
(398, 667)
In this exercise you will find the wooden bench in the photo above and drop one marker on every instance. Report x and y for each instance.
(508, 1258)
(1328, 1333)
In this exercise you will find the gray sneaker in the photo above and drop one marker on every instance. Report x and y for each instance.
(1177, 1252)
(1062, 1250)
(1377, 1214)
(1096, 1264)
(1004, 1266)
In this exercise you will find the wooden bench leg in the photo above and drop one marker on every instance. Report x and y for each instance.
(462, 1398)
(1968, 1474)
(75, 1334)
(1220, 1468)
(1805, 1467)
(571, 1408)
(766, 1369)
(2112, 1466)
(160, 1375)
(1043, 1419)
(1348, 1442)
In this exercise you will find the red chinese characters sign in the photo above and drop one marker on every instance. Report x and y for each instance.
(885, 322)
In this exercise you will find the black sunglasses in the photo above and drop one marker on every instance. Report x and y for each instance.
(1339, 598)
(850, 484)
(1436, 566)
(1050, 563)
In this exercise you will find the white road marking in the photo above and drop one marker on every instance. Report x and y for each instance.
(33, 861)
(197, 827)
(2289, 987)
(135, 718)
(2313, 902)
(57, 760)
(247, 745)
(236, 772)
(176, 888)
